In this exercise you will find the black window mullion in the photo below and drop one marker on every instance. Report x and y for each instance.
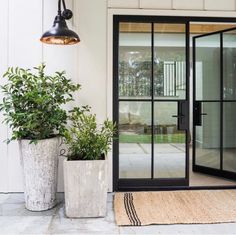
(187, 87)
(116, 101)
(221, 101)
(152, 101)
(194, 103)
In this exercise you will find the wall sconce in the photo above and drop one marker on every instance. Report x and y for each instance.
(60, 34)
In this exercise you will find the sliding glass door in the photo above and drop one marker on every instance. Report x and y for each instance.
(214, 137)
(150, 104)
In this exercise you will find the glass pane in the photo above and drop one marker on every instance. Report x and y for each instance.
(208, 136)
(169, 155)
(169, 61)
(135, 140)
(135, 60)
(208, 67)
(229, 66)
(229, 137)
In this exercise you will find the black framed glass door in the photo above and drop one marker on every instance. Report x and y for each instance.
(214, 105)
(150, 104)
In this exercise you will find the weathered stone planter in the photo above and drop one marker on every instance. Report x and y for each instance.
(40, 166)
(85, 188)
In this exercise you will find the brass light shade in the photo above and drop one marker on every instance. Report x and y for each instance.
(60, 34)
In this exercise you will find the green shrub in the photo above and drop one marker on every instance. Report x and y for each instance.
(86, 139)
(32, 103)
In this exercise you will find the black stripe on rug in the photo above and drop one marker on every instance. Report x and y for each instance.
(130, 210)
(127, 209)
(133, 209)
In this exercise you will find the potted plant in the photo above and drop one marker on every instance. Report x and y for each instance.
(32, 108)
(85, 169)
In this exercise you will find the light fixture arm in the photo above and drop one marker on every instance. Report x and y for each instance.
(66, 13)
(64, 4)
(59, 7)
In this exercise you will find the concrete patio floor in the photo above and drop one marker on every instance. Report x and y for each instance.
(15, 219)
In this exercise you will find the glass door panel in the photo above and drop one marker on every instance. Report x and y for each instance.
(229, 65)
(169, 142)
(170, 61)
(207, 140)
(229, 101)
(169, 89)
(135, 61)
(229, 136)
(207, 105)
(214, 137)
(207, 63)
(135, 140)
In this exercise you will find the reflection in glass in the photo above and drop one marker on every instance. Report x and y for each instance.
(229, 136)
(208, 136)
(169, 149)
(229, 66)
(135, 140)
(169, 61)
(135, 61)
(208, 67)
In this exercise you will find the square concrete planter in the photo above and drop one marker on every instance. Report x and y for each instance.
(85, 188)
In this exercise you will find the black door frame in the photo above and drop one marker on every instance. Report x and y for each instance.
(151, 184)
(197, 112)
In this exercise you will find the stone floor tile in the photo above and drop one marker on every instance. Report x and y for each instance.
(3, 197)
(15, 198)
(24, 225)
(100, 226)
(18, 198)
(110, 197)
(20, 210)
(61, 224)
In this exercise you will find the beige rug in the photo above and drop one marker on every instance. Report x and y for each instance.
(175, 207)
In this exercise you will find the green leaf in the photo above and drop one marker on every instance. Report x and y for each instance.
(86, 139)
(33, 101)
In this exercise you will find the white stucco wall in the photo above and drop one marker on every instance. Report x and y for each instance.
(89, 63)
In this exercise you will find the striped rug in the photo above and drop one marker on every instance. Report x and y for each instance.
(175, 207)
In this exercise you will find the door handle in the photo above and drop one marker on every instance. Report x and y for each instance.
(197, 112)
(178, 116)
(182, 115)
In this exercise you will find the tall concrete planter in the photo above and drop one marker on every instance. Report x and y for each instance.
(40, 167)
(85, 188)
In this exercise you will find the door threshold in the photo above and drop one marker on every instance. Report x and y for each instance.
(174, 188)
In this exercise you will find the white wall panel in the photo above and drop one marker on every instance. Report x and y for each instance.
(123, 3)
(156, 4)
(188, 4)
(92, 55)
(25, 50)
(109, 88)
(3, 68)
(220, 5)
(25, 28)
